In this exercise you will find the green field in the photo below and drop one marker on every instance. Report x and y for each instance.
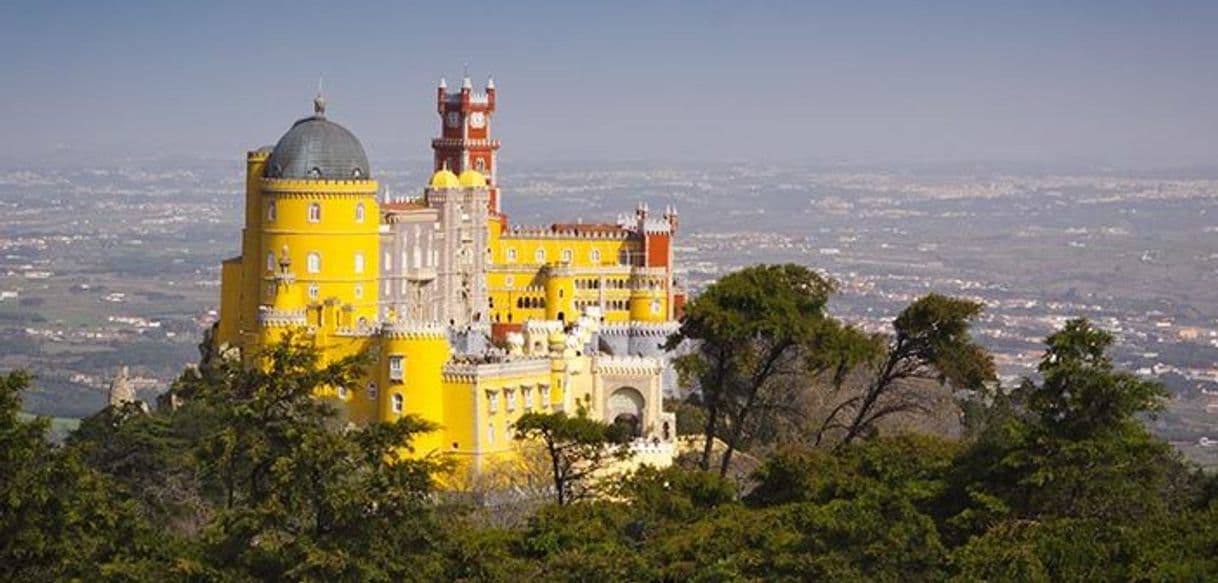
(60, 426)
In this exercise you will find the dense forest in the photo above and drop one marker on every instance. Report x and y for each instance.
(812, 456)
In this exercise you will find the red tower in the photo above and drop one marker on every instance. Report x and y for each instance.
(465, 133)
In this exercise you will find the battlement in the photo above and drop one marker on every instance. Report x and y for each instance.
(356, 332)
(569, 231)
(407, 330)
(656, 227)
(627, 365)
(275, 318)
(470, 143)
(290, 186)
(543, 326)
(404, 203)
(494, 366)
(638, 329)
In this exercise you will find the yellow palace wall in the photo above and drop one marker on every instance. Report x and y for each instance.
(590, 271)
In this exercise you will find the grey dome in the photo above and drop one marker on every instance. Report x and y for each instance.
(317, 148)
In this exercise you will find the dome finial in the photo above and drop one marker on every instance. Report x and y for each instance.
(319, 102)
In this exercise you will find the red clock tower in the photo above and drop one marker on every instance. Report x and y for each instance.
(465, 133)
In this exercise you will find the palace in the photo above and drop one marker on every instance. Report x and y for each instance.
(472, 321)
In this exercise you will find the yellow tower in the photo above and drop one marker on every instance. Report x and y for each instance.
(412, 362)
(317, 205)
(646, 301)
(560, 293)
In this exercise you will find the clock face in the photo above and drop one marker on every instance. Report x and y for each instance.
(477, 119)
(454, 119)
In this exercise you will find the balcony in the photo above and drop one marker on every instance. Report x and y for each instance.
(420, 273)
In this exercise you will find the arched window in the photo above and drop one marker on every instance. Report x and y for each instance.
(398, 402)
(655, 306)
(372, 390)
(567, 255)
(359, 209)
(314, 212)
(359, 292)
(539, 255)
(270, 212)
(359, 262)
(511, 255)
(596, 256)
(313, 262)
(270, 261)
(314, 291)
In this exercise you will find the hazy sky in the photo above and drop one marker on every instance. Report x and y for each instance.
(867, 82)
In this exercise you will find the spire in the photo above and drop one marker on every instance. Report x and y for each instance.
(319, 102)
(465, 82)
(490, 82)
(443, 83)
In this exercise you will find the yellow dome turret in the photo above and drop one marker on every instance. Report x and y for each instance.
(472, 179)
(444, 178)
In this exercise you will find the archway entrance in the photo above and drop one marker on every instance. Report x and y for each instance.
(626, 410)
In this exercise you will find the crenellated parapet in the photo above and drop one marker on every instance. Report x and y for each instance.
(316, 187)
(627, 365)
(641, 329)
(543, 326)
(407, 330)
(277, 318)
(471, 370)
(355, 332)
(464, 143)
(595, 232)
